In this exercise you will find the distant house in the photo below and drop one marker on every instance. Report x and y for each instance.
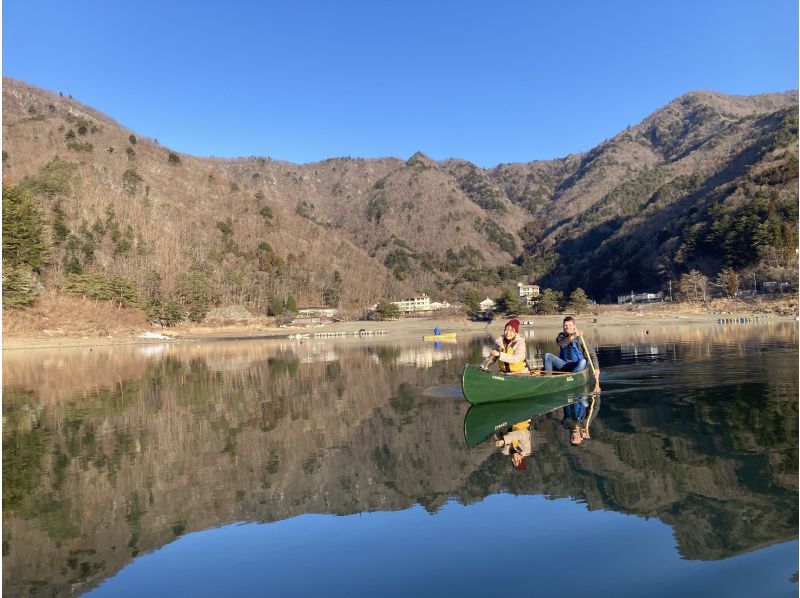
(527, 293)
(775, 287)
(486, 305)
(639, 298)
(306, 321)
(317, 312)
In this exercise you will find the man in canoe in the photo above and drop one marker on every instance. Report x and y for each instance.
(571, 357)
(509, 350)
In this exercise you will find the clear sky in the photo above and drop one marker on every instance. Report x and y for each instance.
(490, 82)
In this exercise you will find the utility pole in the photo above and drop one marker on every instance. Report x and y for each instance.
(754, 283)
(670, 290)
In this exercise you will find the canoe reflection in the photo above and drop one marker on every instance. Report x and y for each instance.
(482, 421)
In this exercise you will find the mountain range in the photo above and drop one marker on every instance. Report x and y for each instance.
(706, 182)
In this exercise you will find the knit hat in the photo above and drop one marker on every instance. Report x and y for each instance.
(514, 324)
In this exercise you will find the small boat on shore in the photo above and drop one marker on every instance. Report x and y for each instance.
(449, 336)
(481, 386)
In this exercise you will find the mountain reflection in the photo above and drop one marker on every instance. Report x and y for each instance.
(114, 452)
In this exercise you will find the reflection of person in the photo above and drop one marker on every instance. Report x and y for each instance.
(571, 357)
(578, 417)
(509, 350)
(516, 442)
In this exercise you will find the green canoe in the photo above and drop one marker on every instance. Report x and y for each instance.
(481, 386)
(482, 421)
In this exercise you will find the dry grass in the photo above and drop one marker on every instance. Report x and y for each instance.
(56, 315)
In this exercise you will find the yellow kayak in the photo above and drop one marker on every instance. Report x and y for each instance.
(450, 336)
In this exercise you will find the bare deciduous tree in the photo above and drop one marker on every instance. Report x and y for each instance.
(694, 286)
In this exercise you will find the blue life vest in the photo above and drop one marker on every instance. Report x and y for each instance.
(572, 352)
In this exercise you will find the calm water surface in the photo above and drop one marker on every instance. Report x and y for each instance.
(341, 467)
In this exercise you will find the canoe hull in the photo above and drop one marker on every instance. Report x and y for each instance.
(482, 421)
(481, 387)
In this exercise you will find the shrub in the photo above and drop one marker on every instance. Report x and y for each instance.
(331, 296)
(397, 262)
(578, 301)
(197, 293)
(376, 209)
(276, 306)
(24, 241)
(225, 227)
(472, 300)
(166, 313)
(495, 233)
(20, 287)
(549, 302)
(508, 303)
(54, 178)
(305, 209)
(77, 146)
(58, 224)
(130, 181)
(173, 159)
(386, 310)
(117, 289)
(480, 191)
(132, 139)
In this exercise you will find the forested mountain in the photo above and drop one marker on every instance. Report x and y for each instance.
(707, 181)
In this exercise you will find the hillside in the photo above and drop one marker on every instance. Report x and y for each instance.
(707, 181)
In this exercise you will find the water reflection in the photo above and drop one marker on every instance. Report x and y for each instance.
(113, 452)
(578, 416)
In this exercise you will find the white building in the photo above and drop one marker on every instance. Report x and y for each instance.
(639, 298)
(486, 305)
(527, 293)
(317, 312)
(775, 287)
(420, 303)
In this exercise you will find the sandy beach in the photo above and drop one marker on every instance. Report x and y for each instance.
(63, 334)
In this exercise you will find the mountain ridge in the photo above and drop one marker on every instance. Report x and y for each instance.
(256, 228)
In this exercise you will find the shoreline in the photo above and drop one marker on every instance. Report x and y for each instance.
(395, 329)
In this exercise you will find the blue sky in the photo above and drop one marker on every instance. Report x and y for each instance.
(302, 81)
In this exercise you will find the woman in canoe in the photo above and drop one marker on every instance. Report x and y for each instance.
(516, 441)
(509, 350)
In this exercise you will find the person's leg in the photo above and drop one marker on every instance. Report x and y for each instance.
(552, 361)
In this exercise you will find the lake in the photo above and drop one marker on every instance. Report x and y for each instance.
(341, 467)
